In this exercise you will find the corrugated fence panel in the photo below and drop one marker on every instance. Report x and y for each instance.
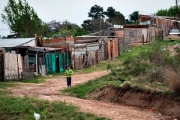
(51, 62)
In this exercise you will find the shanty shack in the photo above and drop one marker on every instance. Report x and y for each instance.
(22, 59)
(139, 34)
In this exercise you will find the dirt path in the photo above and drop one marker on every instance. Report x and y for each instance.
(50, 91)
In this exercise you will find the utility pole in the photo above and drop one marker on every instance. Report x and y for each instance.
(177, 8)
(100, 22)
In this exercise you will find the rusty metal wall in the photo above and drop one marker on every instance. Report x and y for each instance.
(87, 55)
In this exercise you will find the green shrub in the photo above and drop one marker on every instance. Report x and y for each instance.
(109, 67)
(126, 84)
(135, 66)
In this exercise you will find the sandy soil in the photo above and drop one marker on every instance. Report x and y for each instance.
(50, 90)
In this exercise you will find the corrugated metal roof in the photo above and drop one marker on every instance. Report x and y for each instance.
(14, 42)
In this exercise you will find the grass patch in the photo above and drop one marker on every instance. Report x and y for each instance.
(37, 79)
(135, 51)
(82, 90)
(23, 109)
(4, 85)
(102, 65)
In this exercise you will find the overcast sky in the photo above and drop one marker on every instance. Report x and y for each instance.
(76, 11)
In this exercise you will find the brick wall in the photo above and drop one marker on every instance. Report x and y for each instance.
(70, 40)
(115, 47)
(120, 33)
(54, 40)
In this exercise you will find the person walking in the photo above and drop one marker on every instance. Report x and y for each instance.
(68, 73)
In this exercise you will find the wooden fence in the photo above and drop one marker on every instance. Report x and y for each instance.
(11, 68)
(1, 66)
(15, 67)
(87, 59)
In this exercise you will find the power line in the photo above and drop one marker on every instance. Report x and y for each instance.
(5, 29)
(176, 8)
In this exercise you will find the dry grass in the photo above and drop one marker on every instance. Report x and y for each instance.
(172, 77)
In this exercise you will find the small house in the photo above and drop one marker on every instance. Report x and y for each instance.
(138, 34)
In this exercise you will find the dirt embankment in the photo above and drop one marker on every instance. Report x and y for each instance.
(155, 102)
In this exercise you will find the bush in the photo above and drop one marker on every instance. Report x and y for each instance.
(109, 67)
(156, 75)
(135, 66)
(126, 84)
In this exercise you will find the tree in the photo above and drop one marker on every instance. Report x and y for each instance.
(118, 19)
(110, 13)
(127, 21)
(96, 12)
(22, 19)
(79, 32)
(162, 12)
(87, 26)
(134, 17)
(69, 29)
(114, 17)
(54, 26)
(172, 11)
(169, 12)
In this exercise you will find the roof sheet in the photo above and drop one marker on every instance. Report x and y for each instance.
(14, 42)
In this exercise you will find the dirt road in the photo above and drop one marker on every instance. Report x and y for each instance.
(50, 90)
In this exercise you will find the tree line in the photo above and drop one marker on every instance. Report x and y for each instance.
(24, 21)
(171, 12)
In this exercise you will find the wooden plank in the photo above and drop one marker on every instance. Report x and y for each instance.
(26, 64)
(20, 66)
(6, 66)
(2, 67)
(15, 66)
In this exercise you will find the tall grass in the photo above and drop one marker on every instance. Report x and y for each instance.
(173, 78)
